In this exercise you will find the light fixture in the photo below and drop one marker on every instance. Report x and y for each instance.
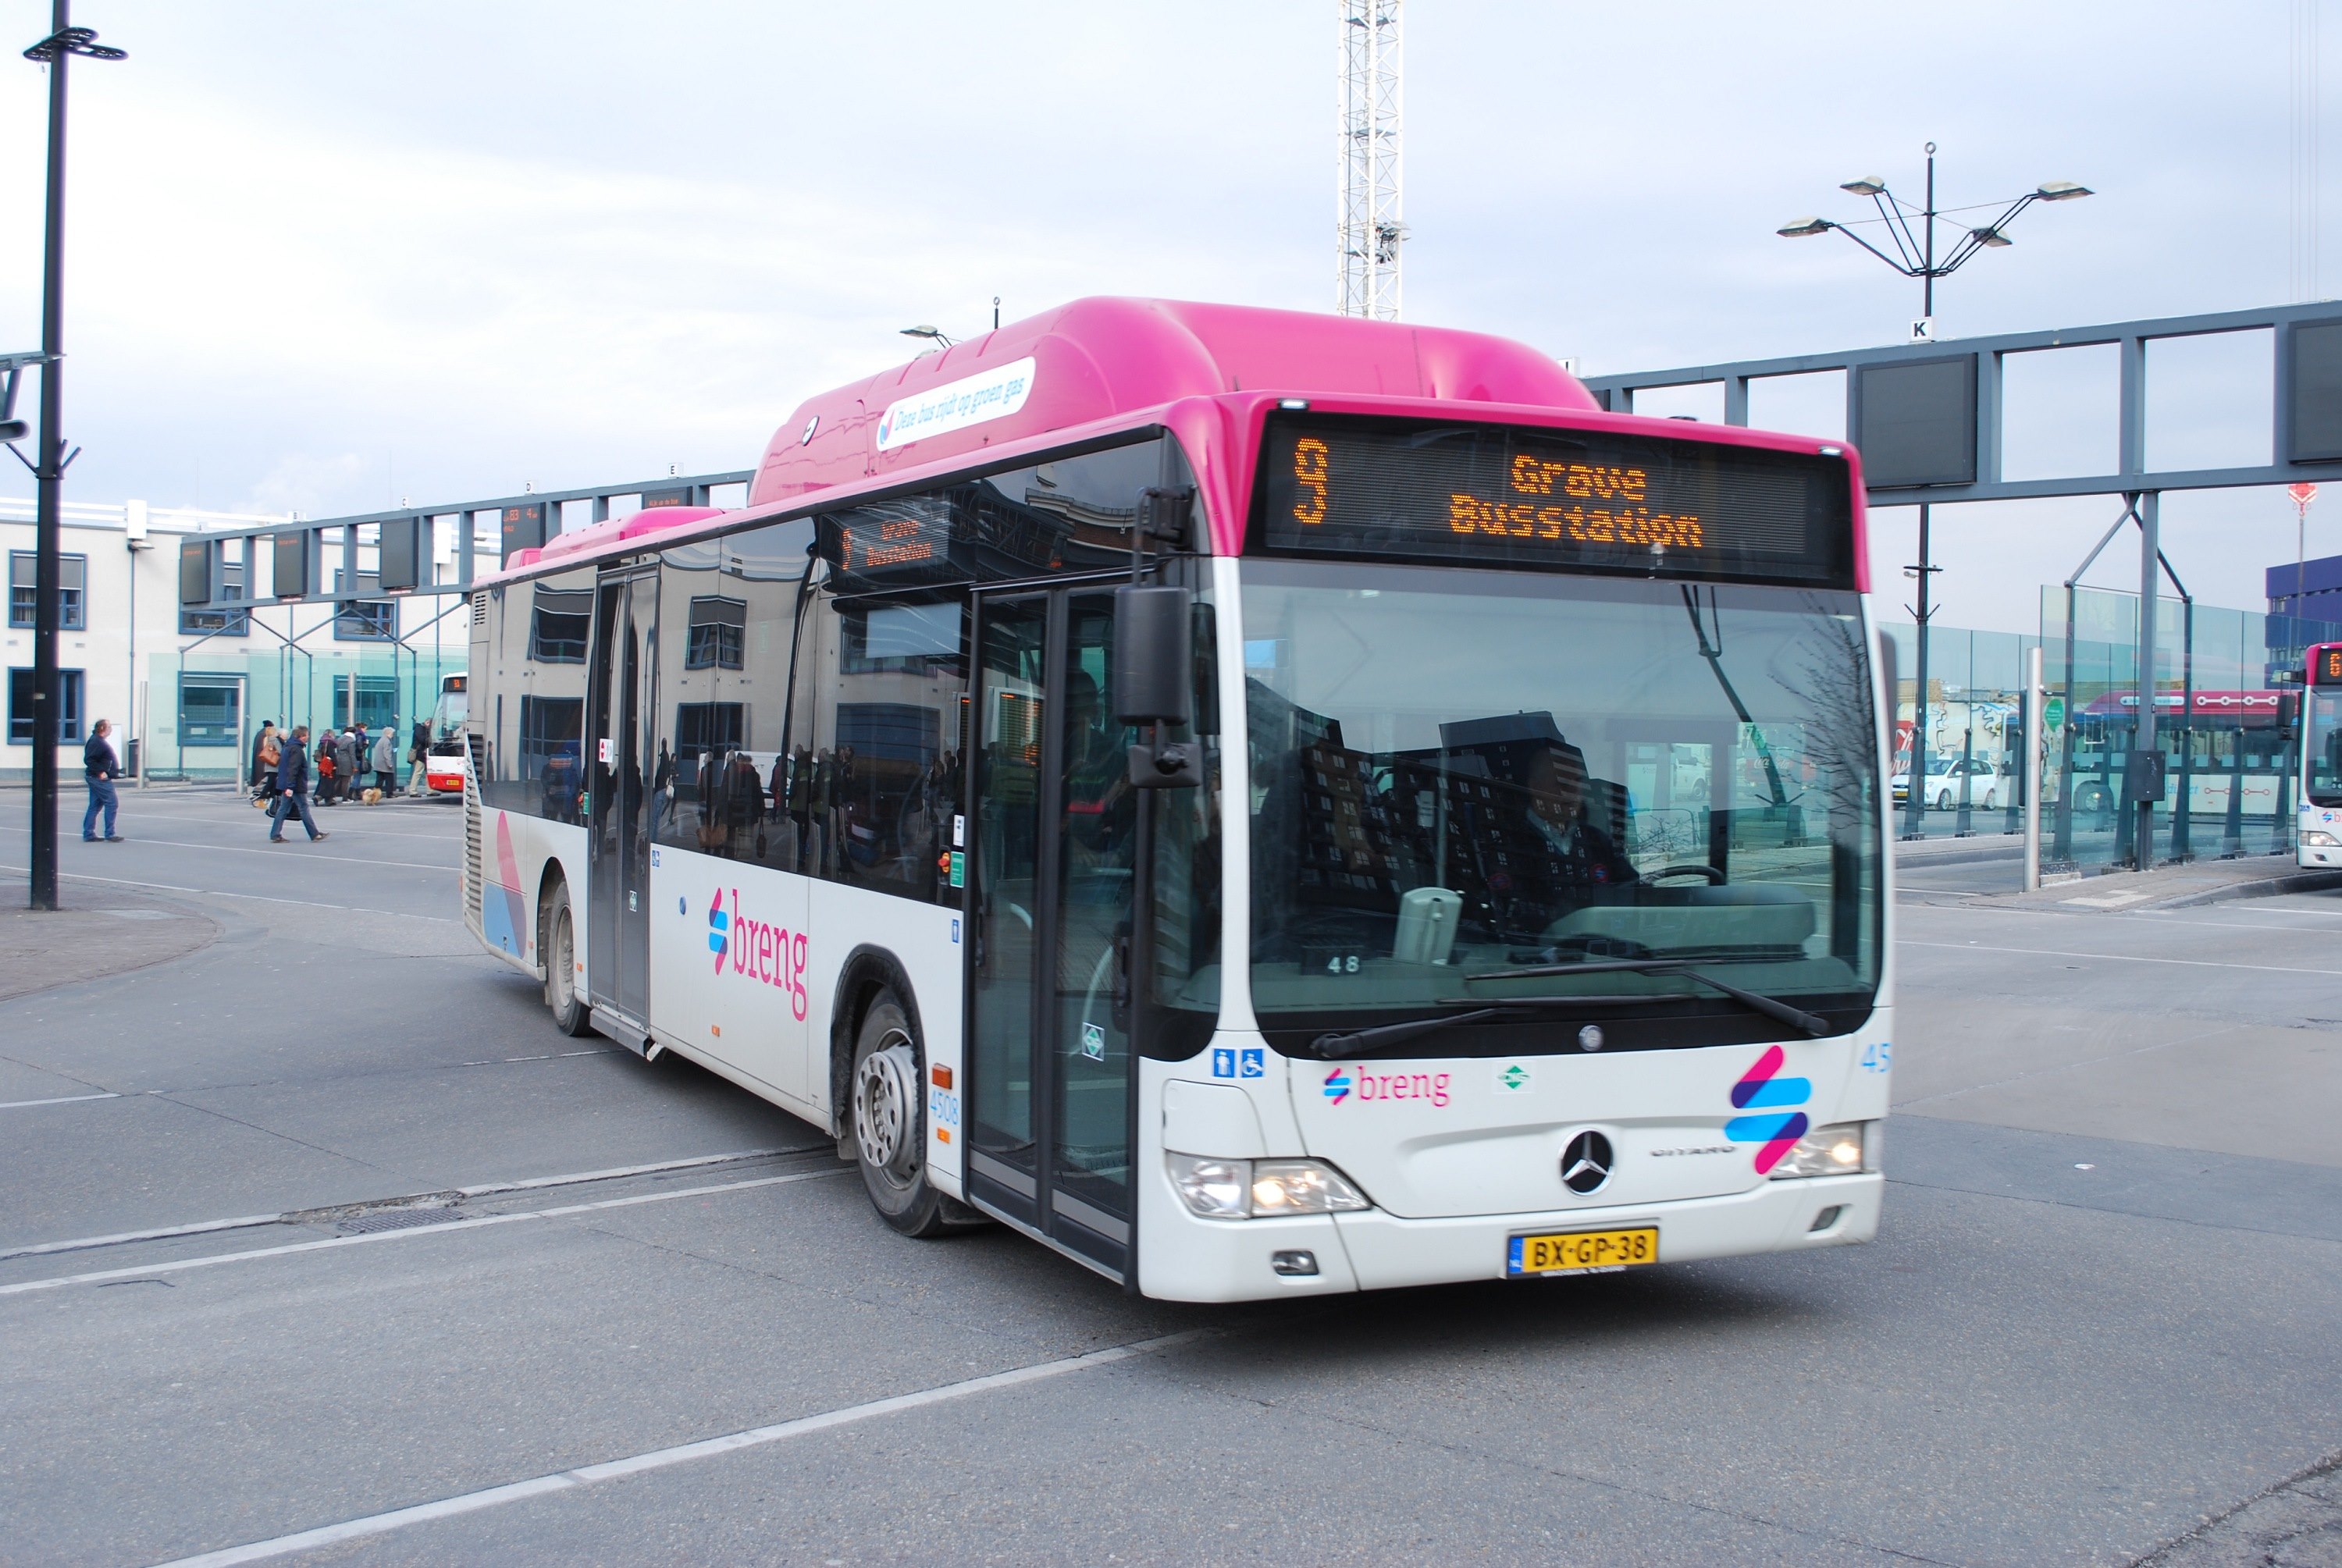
(1800, 228)
(1868, 185)
(933, 334)
(1990, 236)
(2062, 191)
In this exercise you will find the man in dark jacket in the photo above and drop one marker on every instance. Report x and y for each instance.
(100, 768)
(292, 787)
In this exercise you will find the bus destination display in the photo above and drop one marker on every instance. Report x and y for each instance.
(1560, 499)
(2326, 665)
(907, 540)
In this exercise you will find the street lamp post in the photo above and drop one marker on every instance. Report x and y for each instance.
(1915, 257)
(63, 42)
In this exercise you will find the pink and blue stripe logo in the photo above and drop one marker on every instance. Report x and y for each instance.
(1764, 1091)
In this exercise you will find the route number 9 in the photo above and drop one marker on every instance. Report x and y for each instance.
(1309, 466)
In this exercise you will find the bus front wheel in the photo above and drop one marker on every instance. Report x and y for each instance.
(571, 1013)
(890, 1124)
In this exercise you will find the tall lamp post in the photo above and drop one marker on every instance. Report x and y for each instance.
(63, 42)
(1915, 257)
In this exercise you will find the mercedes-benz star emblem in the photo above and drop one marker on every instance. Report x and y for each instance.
(1586, 1164)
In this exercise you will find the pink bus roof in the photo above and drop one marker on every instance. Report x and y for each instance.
(1101, 359)
(1100, 364)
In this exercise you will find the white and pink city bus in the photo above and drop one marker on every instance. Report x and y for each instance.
(1263, 803)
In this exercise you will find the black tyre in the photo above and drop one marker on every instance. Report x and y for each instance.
(889, 1125)
(571, 1013)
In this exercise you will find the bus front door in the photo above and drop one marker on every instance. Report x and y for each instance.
(1049, 1063)
(618, 836)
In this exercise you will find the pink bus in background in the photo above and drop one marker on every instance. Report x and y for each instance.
(1263, 803)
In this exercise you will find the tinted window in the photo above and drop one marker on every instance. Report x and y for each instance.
(728, 608)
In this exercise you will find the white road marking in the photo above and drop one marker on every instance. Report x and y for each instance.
(180, 1265)
(53, 1100)
(478, 1190)
(2113, 957)
(682, 1453)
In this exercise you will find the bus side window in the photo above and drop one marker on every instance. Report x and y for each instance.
(882, 747)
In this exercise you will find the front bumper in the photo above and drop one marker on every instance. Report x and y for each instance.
(1190, 1259)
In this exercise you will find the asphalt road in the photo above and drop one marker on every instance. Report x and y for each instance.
(2101, 1313)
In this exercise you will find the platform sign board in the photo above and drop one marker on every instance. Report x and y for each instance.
(195, 558)
(1915, 422)
(2313, 393)
(405, 551)
(523, 528)
(293, 574)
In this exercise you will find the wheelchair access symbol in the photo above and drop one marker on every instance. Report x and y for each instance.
(1231, 1062)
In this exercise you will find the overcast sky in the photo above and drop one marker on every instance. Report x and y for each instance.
(327, 257)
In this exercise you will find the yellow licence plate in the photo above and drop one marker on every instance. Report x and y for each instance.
(1582, 1251)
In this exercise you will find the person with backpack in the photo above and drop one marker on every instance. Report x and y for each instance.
(292, 788)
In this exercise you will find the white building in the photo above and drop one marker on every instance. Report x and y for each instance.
(187, 691)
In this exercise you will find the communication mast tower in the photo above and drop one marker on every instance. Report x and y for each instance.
(1369, 230)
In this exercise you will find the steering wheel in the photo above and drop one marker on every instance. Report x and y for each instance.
(1715, 874)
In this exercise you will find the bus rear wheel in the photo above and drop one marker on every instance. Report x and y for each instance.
(890, 1124)
(571, 1013)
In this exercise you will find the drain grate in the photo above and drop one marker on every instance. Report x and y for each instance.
(398, 1220)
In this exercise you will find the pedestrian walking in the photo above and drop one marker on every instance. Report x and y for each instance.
(418, 751)
(385, 761)
(257, 773)
(270, 751)
(292, 787)
(349, 756)
(100, 767)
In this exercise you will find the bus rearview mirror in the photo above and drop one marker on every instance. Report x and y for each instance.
(1154, 674)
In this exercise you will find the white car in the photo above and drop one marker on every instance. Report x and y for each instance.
(1943, 791)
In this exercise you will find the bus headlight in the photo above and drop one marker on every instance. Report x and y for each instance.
(2319, 837)
(1841, 1148)
(1261, 1189)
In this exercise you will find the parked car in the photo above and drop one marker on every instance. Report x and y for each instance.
(1943, 787)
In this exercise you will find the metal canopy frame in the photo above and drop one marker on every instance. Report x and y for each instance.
(691, 489)
(2130, 337)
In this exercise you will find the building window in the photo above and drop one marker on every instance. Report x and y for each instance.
(557, 622)
(716, 628)
(702, 727)
(363, 620)
(72, 583)
(220, 622)
(210, 711)
(20, 707)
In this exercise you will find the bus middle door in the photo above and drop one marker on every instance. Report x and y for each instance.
(1055, 851)
(618, 831)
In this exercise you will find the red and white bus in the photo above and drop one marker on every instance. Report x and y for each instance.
(1263, 803)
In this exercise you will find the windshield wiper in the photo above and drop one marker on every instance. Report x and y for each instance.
(1360, 1042)
(1770, 1006)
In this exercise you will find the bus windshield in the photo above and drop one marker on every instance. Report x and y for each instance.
(2321, 748)
(1455, 771)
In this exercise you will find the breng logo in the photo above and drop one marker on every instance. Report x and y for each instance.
(1431, 1086)
(772, 953)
